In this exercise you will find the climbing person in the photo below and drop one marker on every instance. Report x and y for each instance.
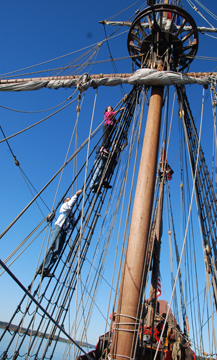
(177, 350)
(168, 171)
(65, 223)
(113, 161)
(109, 117)
(160, 326)
(99, 164)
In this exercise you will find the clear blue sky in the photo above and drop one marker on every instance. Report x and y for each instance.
(32, 32)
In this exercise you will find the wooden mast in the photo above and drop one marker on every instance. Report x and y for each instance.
(156, 48)
(130, 295)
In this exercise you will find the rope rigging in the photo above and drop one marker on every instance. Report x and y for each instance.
(191, 136)
(58, 308)
(42, 313)
(205, 194)
(183, 306)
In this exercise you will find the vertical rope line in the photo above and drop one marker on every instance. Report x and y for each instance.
(171, 121)
(195, 266)
(76, 145)
(183, 222)
(185, 251)
(202, 345)
(65, 158)
(83, 313)
(80, 238)
(190, 208)
(164, 120)
(75, 167)
(118, 237)
(198, 304)
(167, 204)
(169, 220)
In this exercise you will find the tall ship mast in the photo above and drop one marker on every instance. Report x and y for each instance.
(122, 182)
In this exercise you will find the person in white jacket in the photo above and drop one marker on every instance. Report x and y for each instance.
(64, 224)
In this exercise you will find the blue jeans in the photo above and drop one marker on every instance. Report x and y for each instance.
(99, 164)
(58, 236)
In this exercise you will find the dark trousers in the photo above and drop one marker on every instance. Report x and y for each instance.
(111, 167)
(107, 134)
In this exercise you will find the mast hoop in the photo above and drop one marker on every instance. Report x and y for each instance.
(127, 330)
(128, 316)
(127, 357)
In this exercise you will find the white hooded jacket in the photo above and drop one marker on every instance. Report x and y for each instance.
(66, 220)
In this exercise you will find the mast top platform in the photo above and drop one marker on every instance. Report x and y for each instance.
(163, 36)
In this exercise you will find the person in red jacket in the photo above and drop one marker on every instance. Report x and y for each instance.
(109, 117)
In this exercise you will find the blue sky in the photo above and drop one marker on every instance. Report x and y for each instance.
(35, 32)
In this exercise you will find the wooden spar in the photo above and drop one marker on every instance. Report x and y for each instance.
(130, 294)
(201, 29)
(158, 232)
(93, 76)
